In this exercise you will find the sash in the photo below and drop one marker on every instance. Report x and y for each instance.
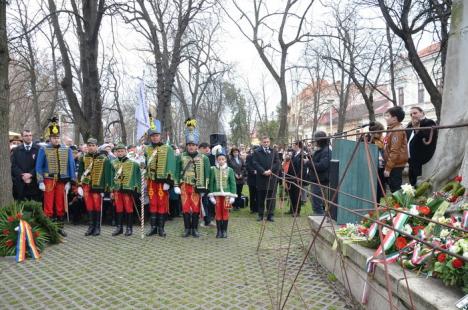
(26, 241)
(87, 171)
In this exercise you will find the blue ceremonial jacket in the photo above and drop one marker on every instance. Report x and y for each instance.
(55, 163)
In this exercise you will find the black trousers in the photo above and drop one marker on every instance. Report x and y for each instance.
(239, 203)
(295, 198)
(395, 179)
(253, 198)
(415, 170)
(266, 202)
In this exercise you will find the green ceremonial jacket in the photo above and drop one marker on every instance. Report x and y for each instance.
(126, 175)
(160, 163)
(222, 182)
(193, 170)
(95, 170)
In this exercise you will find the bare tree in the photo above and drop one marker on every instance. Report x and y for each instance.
(260, 25)
(88, 18)
(164, 24)
(5, 164)
(410, 18)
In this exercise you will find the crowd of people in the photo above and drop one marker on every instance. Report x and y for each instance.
(197, 180)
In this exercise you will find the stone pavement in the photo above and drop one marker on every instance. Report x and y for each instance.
(108, 272)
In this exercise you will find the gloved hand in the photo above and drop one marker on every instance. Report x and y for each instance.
(166, 187)
(202, 195)
(213, 200)
(231, 200)
(67, 186)
(42, 186)
(80, 191)
(177, 190)
(102, 195)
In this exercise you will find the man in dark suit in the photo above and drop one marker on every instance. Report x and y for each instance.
(23, 172)
(266, 162)
(419, 152)
(251, 181)
(297, 170)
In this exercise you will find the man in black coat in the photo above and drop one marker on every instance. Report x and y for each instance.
(23, 172)
(251, 182)
(419, 152)
(296, 173)
(266, 162)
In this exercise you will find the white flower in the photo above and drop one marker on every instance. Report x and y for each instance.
(457, 225)
(454, 248)
(407, 229)
(408, 190)
(385, 230)
(444, 233)
(465, 254)
(413, 210)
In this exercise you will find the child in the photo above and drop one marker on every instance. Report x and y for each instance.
(395, 148)
(222, 187)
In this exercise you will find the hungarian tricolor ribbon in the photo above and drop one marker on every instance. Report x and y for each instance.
(26, 242)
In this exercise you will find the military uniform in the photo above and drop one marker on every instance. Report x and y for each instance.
(222, 195)
(160, 174)
(55, 168)
(94, 178)
(126, 180)
(193, 172)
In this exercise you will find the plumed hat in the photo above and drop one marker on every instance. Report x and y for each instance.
(53, 130)
(192, 135)
(155, 126)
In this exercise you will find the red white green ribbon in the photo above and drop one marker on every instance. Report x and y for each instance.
(374, 227)
(465, 219)
(26, 242)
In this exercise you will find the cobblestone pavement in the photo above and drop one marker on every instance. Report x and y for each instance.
(108, 272)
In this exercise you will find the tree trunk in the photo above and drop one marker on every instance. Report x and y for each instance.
(5, 164)
(451, 153)
(283, 116)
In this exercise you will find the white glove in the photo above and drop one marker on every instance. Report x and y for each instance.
(80, 191)
(202, 194)
(165, 187)
(177, 190)
(102, 195)
(231, 200)
(213, 200)
(67, 186)
(42, 186)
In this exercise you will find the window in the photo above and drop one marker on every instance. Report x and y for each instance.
(420, 93)
(401, 96)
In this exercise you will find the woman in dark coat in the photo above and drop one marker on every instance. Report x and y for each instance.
(238, 165)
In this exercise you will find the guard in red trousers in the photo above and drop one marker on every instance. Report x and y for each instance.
(193, 173)
(160, 175)
(55, 169)
(94, 178)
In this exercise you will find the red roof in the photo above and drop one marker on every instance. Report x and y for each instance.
(429, 50)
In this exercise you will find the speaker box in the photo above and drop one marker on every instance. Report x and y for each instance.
(218, 138)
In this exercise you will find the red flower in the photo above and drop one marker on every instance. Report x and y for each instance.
(6, 232)
(441, 257)
(396, 206)
(36, 234)
(10, 219)
(424, 210)
(400, 243)
(9, 243)
(19, 216)
(457, 263)
(363, 230)
(416, 229)
(458, 178)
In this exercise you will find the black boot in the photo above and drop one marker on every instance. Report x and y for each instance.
(61, 222)
(195, 218)
(118, 221)
(97, 223)
(162, 219)
(154, 223)
(218, 229)
(224, 226)
(187, 225)
(90, 230)
(129, 229)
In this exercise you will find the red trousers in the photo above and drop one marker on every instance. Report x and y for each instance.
(190, 199)
(158, 198)
(92, 200)
(54, 195)
(222, 208)
(123, 201)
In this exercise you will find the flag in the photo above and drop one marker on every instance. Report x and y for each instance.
(141, 113)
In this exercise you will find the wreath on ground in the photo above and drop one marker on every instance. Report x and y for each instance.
(44, 230)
